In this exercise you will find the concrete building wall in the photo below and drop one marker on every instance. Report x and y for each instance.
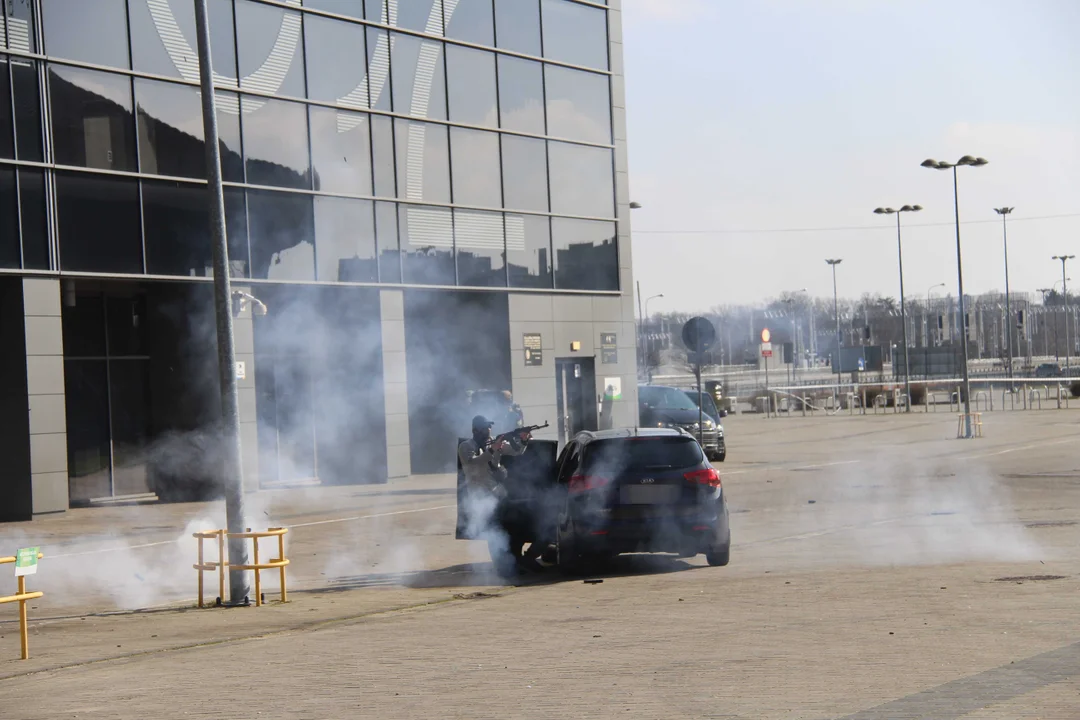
(395, 383)
(45, 393)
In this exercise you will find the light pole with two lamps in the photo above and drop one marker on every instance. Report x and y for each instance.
(833, 262)
(966, 160)
(903, 307)
(1065, 294)
(1004, 212)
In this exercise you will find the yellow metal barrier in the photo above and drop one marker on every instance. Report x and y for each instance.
(221, 536)
(21, 597)
(976, 425)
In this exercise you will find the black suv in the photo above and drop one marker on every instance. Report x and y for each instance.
(660, 406)
(611, 492)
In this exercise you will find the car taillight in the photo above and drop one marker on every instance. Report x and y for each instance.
(583, 483)
(704, 477)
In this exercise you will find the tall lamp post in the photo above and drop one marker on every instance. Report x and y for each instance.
(1065, 294)
(1004, 212)
(903, 309)
(967, 160)
(833, 262)
(645, 337)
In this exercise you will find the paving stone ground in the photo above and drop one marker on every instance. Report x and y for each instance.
(881, 569)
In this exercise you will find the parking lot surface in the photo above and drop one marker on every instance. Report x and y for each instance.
(880, 569)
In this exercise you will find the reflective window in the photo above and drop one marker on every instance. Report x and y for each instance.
(276, 143)
(420, 15)
(374, 10)
(171, 140)
(475, 163)
(582, 180)
(269, 49)
(98, 223)
(352, 8)
(378, 52)
(93, 123)
(528, 250)
(28, 125)
(471, 85)
(423, 161)
(176, 220)
(163, 39)
(575, 33)
(472, 21)
(10, 255)
(92, 32)
(232, 160)
(521, 94)
(340, 151)
(586, 254)
(480, 248)
(525, 175)
(282, 232)
(336, 62)
(382, 155)
(578, 105)
(419, 79)
(7, 125)
(20, 25)
(236, 229)
(517, 25)
(35, 240)
(386, 241)
(427, 243)
(345, 240)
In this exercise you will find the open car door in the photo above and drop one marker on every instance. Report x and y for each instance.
(530, 478)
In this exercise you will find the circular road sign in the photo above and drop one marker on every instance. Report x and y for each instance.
(698, 334)
(765, 335)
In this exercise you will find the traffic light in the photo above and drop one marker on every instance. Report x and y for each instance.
(940, 322)
(867, 332)
(1020, 319)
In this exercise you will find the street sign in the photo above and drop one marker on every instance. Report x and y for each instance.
(766, 353)
(26, 561)
(698, 334)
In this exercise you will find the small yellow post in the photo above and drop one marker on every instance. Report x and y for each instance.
(200, 572)
(221, 564)
(281, 558)
(258, 581)
(23, 631)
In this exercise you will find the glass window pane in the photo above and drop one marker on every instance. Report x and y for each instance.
(163, 38)
(20, 25)
(35, 241)
(28, 125)
(521, 94)
(472, 21)
(475, 162)
(582, 180)
(423, 161)
(10, 256)
(176, 217)
(336, 61)
(352, 8)
(92, 120)
(480, 248)
(420, 15)
(282, 235)
(98, 218)
(386, 239)
(586, 254)
(92, 32)
(575, 33)
(471, 86)
(427, 242)
(340, 151)
(525, 174)
(7, 125)
(378, 51)
(345, 240)
(269, 49)
(228, 115)
(382, 151)
(84, 326)
(374, 10)
(237, 230)
(517, 25)
(578, 105)
(276, 143)
(528, 250)
(419, 79)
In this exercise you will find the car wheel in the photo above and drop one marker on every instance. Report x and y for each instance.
(719, 557)
(721, 456)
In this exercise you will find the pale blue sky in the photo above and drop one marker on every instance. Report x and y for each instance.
(768, 114)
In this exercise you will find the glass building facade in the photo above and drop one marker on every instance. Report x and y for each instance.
(468, 146)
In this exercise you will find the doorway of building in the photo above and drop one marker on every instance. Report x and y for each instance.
(575, 393)
(107, 378)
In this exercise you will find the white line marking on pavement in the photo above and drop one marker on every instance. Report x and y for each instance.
(1032, 446)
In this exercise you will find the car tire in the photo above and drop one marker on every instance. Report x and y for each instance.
(720, 457)
(719, 557)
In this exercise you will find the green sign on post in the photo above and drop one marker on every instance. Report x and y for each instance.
(26, 561)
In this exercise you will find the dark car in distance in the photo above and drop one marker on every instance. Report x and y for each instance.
(610, 492)
(660, 406)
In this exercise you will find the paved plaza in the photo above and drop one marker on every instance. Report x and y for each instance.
(881, 569)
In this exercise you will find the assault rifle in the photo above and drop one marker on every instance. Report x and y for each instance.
(516, 433)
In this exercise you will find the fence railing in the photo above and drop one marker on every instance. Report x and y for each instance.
(279, 563)
(21, 596)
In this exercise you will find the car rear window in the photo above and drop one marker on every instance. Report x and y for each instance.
(622, 454)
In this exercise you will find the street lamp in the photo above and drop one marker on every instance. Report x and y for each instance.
(833, 262)
(644, 335)
(967, 160)
(1065, 293)
(1003, 212)
(903, 310)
